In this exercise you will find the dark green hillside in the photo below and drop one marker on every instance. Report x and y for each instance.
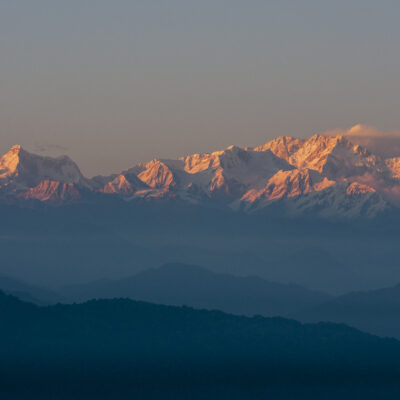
(123, 347)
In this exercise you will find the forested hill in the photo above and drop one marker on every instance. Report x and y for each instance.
(121, 346)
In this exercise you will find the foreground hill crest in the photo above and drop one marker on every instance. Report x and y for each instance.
(325, 176)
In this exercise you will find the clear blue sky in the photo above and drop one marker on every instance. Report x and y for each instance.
(116, 82)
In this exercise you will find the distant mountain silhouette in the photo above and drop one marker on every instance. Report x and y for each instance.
(55, 246)
(122, 348)
(30, 293)
(181, 284)
(376, 311)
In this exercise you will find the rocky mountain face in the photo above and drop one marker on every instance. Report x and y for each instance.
(327, 176)
(26, 176)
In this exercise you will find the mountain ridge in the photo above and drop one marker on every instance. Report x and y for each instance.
(322, 175)
(181, 284)
(373, 311)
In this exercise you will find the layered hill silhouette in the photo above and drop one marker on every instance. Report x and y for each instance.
(176, 284)
(325, 176)
(375, 311)
(30, 293)
(55, 246)
(194, 286)
(115, 348)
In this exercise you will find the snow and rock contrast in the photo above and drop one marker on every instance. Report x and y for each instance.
(323, 175)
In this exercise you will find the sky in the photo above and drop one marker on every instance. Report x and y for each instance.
(113, 83)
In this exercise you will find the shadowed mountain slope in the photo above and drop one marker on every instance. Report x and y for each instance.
(376, 311)
(29, 293)
(194, 286)
(55, 246)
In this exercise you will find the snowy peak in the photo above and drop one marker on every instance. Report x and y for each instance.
(295, 183)
(341, 200)
(25, 169)
(124, 184)
(246, 166)
(321, 175)
(221, 176)
(196, 163)
(9, 162)
(27, 176)
(333, 156)
(285, 184)
(118, 185)
(314, 152)
(157, 175)
(283, 146)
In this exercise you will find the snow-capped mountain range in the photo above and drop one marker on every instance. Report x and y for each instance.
(327, 176)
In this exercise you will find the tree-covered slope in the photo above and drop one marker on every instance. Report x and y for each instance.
(125, 347)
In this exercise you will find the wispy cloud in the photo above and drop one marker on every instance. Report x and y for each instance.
(46, 147)
(383, 143)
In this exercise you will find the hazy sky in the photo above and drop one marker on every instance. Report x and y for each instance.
(115, 82)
